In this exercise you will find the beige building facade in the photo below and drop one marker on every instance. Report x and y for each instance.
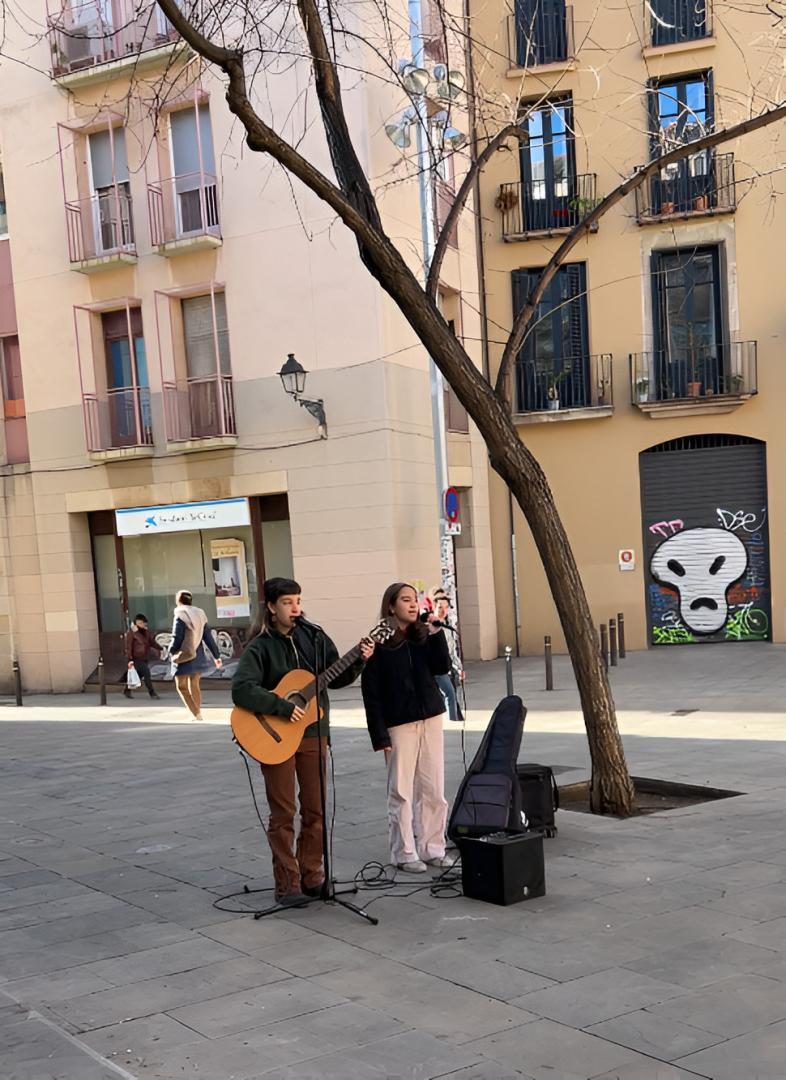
(651, 388)
(154, 277)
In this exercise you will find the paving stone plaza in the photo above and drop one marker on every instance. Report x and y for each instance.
(658, 952)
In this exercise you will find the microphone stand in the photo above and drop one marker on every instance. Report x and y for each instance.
(329, 893)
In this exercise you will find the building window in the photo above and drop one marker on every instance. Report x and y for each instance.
(541, 32)
(110, 191)
(554, 363)
(681, 111)
(127, 383)
(16, 448)
(548, 167)
(674, 21)
(691, 352)
(3, 211)
(194, 171)
(208, 365)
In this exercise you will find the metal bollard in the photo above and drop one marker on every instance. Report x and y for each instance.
(621, 634)
(101, 680)
(604, 645)
(508, 670)
(18, 682)
(548, 660)
(613, 642)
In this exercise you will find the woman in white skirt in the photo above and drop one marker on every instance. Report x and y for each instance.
(404, 709)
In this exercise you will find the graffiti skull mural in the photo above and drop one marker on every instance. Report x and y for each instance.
(701, 565)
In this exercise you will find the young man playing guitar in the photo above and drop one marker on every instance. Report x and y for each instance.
(278, 645)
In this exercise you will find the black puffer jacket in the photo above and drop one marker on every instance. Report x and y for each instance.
(399, 687)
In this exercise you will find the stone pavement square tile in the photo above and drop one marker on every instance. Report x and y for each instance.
(118, 917)
(657, 899)
(148, 1036)
(165, 993)
(35, 915)
(759, 1055)
(410, 1056)
(658, 1036)
(593, 998)
(12, 865)
(770, 934)
(466, 967)
(305, 957)
(759, 902)
(489, 1070)
(120, 881)
(546, 1050)
(731, 1007)
(38, 895)
(681, 928)
(59, 986)
(742, 875)
(570, 959)
(647, 1069)
(185, 904)
(250, 936)
(181, 956)
(704, 962)
(231, 1013)
(423, 1001)
(31, 1048)
(25, 878)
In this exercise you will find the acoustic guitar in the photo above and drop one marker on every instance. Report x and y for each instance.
(273, 739)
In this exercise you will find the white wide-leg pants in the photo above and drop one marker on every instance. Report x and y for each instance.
(417, 810)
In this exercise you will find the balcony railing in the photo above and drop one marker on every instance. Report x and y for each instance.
(675, 21)
(535, 206)
(575, 382)
(543, 38)
(102, 224)
(182, 207)
(704, 372)
(85, 33)
(701, 184)
(200, 408)
(118, 419)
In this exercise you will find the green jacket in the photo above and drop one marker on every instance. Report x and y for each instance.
(268, 658)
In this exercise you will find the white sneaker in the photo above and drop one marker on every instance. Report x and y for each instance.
(413, 867)
(443, 862)
(200, 717)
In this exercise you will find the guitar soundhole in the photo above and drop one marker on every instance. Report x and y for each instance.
(297, 700)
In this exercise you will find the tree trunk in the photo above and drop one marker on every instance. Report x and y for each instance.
(611, 790)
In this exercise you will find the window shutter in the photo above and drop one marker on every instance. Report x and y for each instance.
(185, 148)
(199, 337)
(577, 310)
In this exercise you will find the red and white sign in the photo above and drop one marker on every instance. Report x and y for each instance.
(627, 559)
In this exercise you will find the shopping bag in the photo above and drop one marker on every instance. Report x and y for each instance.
(133, 682)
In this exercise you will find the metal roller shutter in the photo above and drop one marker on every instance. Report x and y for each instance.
(706, 540)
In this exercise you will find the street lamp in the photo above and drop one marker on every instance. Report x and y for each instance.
(293, 379)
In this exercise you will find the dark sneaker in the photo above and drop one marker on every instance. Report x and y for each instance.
(127, 692)
(155, 696)
(313, 891)
(290, 899)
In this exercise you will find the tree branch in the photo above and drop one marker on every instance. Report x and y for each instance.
(512, 130)
(523, 319)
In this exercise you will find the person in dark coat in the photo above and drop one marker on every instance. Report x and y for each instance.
(190, 631)
(139, 644)
(278, 645)
(404, 709)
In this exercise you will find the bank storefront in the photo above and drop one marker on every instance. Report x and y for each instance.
(220, 551)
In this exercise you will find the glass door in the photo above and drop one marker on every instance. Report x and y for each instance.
(547, 168)
(691, 357)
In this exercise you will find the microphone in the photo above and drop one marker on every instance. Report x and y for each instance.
(443, 625)
(301, 620)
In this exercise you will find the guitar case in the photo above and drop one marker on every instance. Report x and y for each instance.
(489, 797)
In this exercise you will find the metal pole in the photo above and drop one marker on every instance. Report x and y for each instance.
(101, 680)
(425, 173)
(18, 682)
(604, 645)
(613, 642)
(621, 634)
(549, 664)
(508, 670)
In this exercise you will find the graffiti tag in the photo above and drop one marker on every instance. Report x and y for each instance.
(747, 623)
(672, 635)
(740, 519)
(660, 526)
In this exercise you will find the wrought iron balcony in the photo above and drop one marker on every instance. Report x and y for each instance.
(118, 419)
(703, 373)
(184, 209)
(202, 408)
(542, 38)
(86, 33)
(700, 185)
(675, 21)
(535, 207)
(575, 382)
(100, 226)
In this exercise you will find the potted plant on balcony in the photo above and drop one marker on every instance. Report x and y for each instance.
(700, 202)
(642, 389)
(553, 379)
(507, 200)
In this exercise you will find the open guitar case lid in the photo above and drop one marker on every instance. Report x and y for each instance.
(489, 797)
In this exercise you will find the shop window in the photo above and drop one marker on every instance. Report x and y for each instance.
(16, 448)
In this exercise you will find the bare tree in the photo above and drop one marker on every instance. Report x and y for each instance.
(349, 194)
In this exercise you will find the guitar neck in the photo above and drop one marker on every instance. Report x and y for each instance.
(340, 666)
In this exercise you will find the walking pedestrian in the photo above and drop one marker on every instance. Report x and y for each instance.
(139, 644)
(449, 684)
(404, 709)
(190, 634)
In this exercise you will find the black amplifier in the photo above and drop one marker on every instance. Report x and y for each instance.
(503, 868)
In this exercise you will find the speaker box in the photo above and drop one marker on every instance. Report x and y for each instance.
(503, 868)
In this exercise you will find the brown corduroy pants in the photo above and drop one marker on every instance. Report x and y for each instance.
(293, 866)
